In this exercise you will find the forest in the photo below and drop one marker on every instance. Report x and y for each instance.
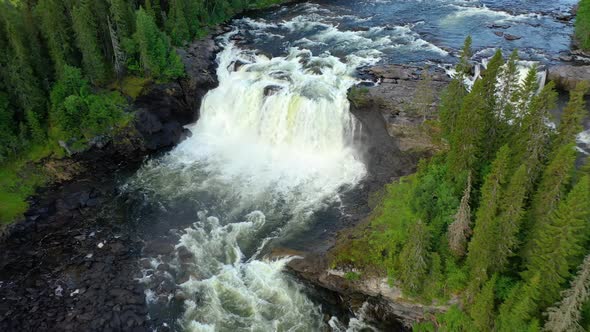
(68, 67)
(498, 223)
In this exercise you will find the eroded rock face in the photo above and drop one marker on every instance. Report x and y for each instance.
(568, 76)
(382, 303)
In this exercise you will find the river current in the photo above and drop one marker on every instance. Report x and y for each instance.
(274, 148)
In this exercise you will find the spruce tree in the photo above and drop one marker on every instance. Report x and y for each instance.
(509, 81)
(460, 230)
(510, 218)
(482, 310)
(451, 101)
(464, 67)
(490, 114)
(518, 312)
(152, 44)
(534, 134)
(566, 315)
(413, 259)
(176, 24)
(25, 86)
(560, 241)
(550, 191)
(122, 18)
(56, 27)
(468, 134)
(86, 30)
(481, 256)
(573, 115)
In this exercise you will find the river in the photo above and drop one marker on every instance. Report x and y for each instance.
(275, 148)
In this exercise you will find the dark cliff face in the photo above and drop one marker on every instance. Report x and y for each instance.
(72, 263)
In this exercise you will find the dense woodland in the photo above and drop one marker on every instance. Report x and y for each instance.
(499, 222)
(64, 65)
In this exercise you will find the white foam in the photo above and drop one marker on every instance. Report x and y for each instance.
(583, 140)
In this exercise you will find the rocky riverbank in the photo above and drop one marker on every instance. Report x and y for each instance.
(72, 263)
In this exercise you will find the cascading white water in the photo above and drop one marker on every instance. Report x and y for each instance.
(273, 145)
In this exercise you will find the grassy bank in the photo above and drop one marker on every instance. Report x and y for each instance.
(583, 24)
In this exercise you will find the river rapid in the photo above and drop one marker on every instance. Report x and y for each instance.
(276, 148)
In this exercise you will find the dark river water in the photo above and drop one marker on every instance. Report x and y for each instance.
(274, 150)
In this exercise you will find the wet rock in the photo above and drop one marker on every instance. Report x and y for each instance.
(499, 33)
(158, 247)
(184, 254)
(510, 37)
(568, 76)
(270, 90)
(499, 26)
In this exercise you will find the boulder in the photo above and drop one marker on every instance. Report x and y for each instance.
(567, 77)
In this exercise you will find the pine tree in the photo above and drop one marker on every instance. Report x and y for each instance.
(560, 241)
(549, 192)
(510, 218)
(176, 24)
(566, 315)
(56, 27)
(86, 29)
(460, 230)
(482, 310)
(414, 259)
(480, 258)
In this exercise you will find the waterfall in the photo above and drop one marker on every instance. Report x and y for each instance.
(272, 146)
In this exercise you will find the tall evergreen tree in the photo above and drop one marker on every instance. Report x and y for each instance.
(85, 27)
(518, 312)
(491, 116)
(152, 44)
(510, 218)
(414, 258)
(560, 242)
(567, 314)
(56, 27)
(26, 89)
(468, 134)
(534, 134)
(482, 310)
(176, 24)
(551, 189)
(481, 256)
(573, 115)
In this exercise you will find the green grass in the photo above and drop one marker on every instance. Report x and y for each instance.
(18, 181)
(583, 24)
(131, 86)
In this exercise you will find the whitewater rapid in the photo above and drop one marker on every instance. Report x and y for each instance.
(273, 145)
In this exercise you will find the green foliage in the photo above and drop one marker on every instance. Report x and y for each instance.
(583, 24)
(481, 258)
(532, 219)
(86, 30)
(78, 112)
(157, 58)
(482, 310)
(352, 276)
(415, 250)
